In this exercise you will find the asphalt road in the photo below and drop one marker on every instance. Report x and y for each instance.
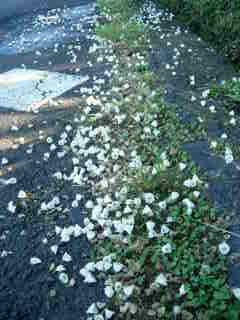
(18, 7)
(34, 292)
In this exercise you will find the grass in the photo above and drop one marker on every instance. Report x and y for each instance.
(217, 21)
(152, 132)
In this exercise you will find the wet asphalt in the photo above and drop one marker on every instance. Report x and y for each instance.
(34, 292)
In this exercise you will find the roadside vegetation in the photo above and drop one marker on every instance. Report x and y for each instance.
(229, 91)
(217, 21)
(161, 248)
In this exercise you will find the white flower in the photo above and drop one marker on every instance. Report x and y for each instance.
(176, 310)
(213, 144)
(196, 194)
(149, 198)
(147, 211)
(150, 228)
(63, 277)
(162, 205)
(233, 121)
(228, 156)
(192, 183)
(189, 204)
(173, 197)
(128, 290)
(99, 266)
(167, 248)
(35, 260)
(117, 267)
(54, 249)
(109, 291)
(161, 280)
(205, 93)
(182, 290)
(4, 161)
(224, 248)
(108, 314)
(90, 234)
(90, 266)
(11, 207)
(107, 262)
(60, 268)
(66, 257)
(164, 229)
(77, 231)
(22, 194)
(236, 292)
(88, 277)
(92, 309)
(212, 109)
(65, 235)
(10, 181)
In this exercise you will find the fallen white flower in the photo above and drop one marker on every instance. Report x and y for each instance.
(54, 249)
(63, 277)
(161, 280)
(182, 290)
(109, 291)
(11, 207)
(22, 194)
(60, 268)
(236, 292)
(92, 309)
(128, 290)
(35, 260)
(66, 257)
(224, 248)
(108, 314)
(167, 248)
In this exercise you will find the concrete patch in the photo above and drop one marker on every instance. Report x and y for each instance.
(28, 89)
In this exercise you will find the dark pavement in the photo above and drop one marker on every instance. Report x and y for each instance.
(34, 292)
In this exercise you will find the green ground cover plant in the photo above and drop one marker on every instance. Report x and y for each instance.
(169, 246)
(216, 20)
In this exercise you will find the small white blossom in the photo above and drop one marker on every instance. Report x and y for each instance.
(228, 156)
(149, 198)
(92, 309)
(128, 290)
(63, 277)
(162, 205)
(22, 194)
(161, 280)
(150, 228)
(35, 260)
(66, 257)
(109, 291)
(236, 292)
(54, 249)
(167, 248)
(182, 290)
(11, 207)
(224, 248)
(108, 314)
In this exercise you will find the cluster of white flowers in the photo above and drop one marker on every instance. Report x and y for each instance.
(51, 204)
(98, 311)
(193, 182)
(228, 155)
